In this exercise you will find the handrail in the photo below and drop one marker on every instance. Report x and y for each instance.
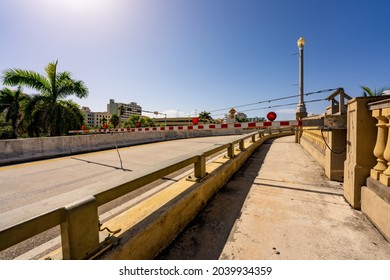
(67, 209)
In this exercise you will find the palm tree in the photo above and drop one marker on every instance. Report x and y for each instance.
(10, 104)
(114, 120)
(120, 113)
(205, 116)
(5, 128)
(134, 121)
(49, 112)
(103, 121)
(371, 93)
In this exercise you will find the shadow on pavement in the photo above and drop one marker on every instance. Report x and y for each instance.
(205, 237)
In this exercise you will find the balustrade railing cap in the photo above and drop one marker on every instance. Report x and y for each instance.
(379, 102)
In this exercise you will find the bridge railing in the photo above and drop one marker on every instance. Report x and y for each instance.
(77, 211)
(245, 125)
(367, 165)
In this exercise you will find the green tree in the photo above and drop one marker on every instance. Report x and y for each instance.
(103, 121)
(120, 110)
(5, 128)
(241, 117)
(148, 122)
(11, 105)
(114, 120)
(48, 112)
(132, 121)
(205, 117)
(138, 121)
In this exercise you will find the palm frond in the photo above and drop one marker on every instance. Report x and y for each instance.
(69, 87)
(31, 79)
(367, 91)
(51, 72)
(10, 104)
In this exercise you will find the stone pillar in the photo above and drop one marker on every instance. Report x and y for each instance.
(299, 130)
(334, 159)
(361, 138)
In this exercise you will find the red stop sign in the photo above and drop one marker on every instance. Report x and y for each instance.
(195, 121)
(271, 116)
(138, 124)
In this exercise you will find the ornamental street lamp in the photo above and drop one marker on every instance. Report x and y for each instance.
(301, 108)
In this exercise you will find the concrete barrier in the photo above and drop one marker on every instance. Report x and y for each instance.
(312, 141)
(30, 149)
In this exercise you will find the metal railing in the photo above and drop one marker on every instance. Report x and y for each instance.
(77, 211)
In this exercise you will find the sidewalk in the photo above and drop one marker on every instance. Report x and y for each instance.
(280, 206)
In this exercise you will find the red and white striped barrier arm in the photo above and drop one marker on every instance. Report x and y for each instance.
(274, 125)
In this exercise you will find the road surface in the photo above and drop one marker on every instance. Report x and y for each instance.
(27, 183)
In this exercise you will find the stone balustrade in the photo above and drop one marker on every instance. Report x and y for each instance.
(367, 165)
(381, 171)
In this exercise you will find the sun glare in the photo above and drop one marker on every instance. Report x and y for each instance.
(92, 7)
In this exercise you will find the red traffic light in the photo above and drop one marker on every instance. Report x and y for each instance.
(271, 116)
(195, 121)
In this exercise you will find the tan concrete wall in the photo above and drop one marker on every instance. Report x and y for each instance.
(23, 150)
(312, 141)
(377, 210)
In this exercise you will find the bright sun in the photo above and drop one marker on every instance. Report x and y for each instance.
(80, 6)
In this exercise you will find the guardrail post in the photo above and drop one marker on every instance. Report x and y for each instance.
(261, 133)
(241, 145)
(253, 138)
(80, 231)
(200, 167)
(230, 150)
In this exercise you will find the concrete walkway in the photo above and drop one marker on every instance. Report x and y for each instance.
(280, 206)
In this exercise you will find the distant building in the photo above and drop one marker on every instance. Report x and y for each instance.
(94, 119)
(179, 121)
(126, 109)
(256, 119)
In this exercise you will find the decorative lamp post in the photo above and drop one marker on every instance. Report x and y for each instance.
(301, 108)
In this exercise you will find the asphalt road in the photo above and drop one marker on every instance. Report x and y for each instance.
(27, 183)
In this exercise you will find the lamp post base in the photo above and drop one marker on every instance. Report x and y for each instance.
(298, 133)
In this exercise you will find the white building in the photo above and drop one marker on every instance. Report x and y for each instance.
(126, 109)
(94, 119)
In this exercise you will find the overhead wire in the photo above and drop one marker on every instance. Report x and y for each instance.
(272, 100)
(274, 106)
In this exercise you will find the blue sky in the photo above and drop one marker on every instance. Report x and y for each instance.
(187, 56)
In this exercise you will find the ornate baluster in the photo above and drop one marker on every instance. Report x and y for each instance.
(380, 144)
(384, 178)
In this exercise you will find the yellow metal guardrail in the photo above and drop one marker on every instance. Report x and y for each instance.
(77, 211)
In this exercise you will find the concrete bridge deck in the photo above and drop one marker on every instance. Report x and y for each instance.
(280, 206)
